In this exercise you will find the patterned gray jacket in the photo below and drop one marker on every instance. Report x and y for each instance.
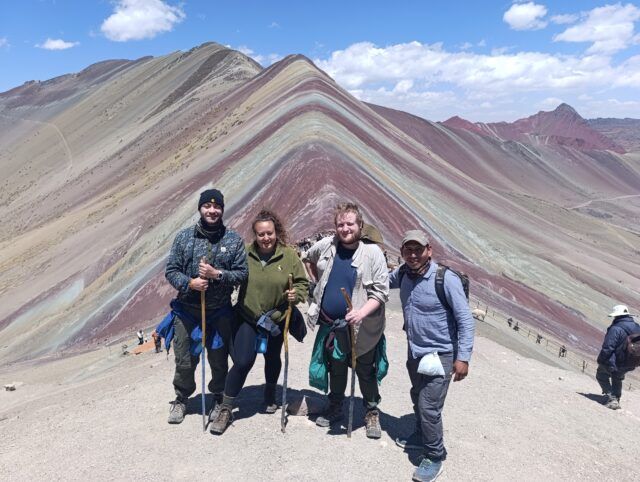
(225, 253)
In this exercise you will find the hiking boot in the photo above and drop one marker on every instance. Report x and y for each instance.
(332, 415)
(177, 411)
(412, 442)
(213, 414)
(271, 405)
(372, 423)
(613, 403)
(427, 471)
(222, 421)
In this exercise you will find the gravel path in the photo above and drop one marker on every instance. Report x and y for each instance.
(103, 417)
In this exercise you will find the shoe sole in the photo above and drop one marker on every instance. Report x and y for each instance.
(327, 423)
(175, 422)
(418, 479)
(375, 434)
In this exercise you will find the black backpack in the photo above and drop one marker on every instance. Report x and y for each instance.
(439, 283)
(632, 350)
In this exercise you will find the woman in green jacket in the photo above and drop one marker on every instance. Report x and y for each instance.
(265, 292)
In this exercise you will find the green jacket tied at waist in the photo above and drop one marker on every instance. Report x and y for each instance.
(319, 366)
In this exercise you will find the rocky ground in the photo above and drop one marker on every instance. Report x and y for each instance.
(519, 415)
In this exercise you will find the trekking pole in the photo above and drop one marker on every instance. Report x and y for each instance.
(283, 416)
(352, 332)
(203, 314)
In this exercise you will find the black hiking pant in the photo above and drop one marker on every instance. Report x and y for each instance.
(244, 357)
(184, 381)
(610, 382)
(366, 372)
(428, 394)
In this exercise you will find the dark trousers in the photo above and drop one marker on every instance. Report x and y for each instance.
(428, 395)
(244, 349)
(610, 382)
(184, 381)
(366, 372)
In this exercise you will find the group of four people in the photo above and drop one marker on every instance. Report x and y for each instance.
(213, 259)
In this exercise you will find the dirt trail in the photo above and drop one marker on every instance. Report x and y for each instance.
(103, 417)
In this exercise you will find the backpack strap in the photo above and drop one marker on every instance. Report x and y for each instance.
(439, 282)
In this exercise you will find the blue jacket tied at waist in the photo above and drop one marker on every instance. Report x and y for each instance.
(214, 341)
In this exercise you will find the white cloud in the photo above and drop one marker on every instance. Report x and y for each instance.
(56, 44)
(416, 77)
(4, 42)
(437, 104)
(403, 86)
(525, 16)
(482, 43)
(245, 50)
(466, 46)
(141, 19)
(609, 28)
(274, 25)
(610, 107)
(264, 60)
(566, 18)
(549, 103)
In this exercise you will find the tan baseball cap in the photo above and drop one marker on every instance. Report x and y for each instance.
(416, 235)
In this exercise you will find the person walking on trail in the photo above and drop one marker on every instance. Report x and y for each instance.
(440, 331)
(140, 336)
(343, 261)
(614, 360)
(157, 341)
(260, 312)
(205, 257)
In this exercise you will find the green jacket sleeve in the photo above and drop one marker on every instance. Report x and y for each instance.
(300, 281)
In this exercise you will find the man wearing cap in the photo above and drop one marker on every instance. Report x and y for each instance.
(431, 326)
(205, 257)
(612, 362)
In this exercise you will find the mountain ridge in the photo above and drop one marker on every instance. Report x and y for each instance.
(119, 176)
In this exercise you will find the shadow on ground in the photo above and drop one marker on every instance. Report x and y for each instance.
(594, 397)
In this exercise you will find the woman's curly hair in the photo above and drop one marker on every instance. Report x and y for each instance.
(282, 236)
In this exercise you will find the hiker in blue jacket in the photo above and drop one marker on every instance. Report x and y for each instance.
(439, 327)
(612, 360)
(205, 257)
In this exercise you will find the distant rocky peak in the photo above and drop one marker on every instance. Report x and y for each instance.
(566, 109)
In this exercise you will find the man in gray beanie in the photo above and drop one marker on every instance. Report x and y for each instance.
(205, 257)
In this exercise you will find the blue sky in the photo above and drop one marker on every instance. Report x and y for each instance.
(483, 60)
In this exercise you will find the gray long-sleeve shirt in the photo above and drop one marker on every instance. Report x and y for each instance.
(429, 326)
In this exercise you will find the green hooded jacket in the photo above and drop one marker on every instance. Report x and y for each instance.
(264, 288)
(319, 366)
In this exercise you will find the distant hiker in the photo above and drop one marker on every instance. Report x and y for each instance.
(538, 338)
(157, 341)
(616, 357)
(563, 351)
(140, 337)
(260, 312)
(510, 322)
(516, 327)
(343, 261)
(440, 330)
(205, 257)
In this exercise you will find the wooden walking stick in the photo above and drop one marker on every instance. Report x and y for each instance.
(283, 416)
(352, 332)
